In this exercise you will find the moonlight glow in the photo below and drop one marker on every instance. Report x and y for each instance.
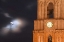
(15, 25)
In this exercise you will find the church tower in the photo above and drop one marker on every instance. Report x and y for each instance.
(49, 25)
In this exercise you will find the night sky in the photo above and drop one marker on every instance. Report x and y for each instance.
(26, 9)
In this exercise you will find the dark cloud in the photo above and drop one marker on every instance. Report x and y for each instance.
(31, 5)
(3, 0)
(19, 8)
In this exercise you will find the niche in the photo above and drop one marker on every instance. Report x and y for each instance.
(50, 10)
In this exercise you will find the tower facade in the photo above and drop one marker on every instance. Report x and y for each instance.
(49, 25)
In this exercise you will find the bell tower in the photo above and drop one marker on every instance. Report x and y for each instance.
(49, 25)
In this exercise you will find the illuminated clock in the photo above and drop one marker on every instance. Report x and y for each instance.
(49, 24)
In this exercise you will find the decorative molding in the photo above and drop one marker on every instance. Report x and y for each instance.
(55, 2)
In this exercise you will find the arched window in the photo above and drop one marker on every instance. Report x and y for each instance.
(50, 10)
(50, 38)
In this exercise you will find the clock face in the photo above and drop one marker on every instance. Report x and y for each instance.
(49, 24)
